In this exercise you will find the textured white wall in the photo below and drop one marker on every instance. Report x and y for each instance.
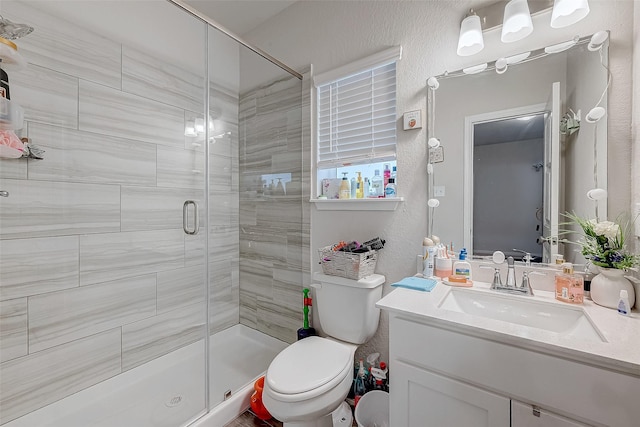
(328, 34)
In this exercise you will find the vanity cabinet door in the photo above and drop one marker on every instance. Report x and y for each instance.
(522, 416)
(421, 398)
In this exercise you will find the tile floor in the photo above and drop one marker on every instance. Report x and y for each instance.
(248, 419)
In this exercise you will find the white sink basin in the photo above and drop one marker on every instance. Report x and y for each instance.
(565, 320)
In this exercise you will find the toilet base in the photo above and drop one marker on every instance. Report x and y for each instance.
(325, 421)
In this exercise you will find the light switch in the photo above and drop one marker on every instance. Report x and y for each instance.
(412, 120)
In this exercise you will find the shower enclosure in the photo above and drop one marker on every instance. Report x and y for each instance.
(151, 264)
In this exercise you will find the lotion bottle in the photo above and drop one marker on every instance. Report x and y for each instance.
(345, 190)
(428, 256)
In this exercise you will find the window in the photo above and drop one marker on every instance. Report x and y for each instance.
(356, 115)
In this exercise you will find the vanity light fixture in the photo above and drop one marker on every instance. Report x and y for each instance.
(517, 23)
(568, 12)
(470, 40)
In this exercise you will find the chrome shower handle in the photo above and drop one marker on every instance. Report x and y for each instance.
(4, 193)
(185, 217)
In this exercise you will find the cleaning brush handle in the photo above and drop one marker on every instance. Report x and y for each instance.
(305, 309)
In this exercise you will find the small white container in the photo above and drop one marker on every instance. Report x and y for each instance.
(623, 303)
(444, 267)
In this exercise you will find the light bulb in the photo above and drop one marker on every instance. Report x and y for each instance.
(595, 114)
(501, 66)
(561, 47)
(597, 40)
(433, 203)
(475, 69)
(597, 194)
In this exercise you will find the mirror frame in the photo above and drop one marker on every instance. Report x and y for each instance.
(433, 84)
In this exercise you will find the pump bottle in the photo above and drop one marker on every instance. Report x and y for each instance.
(345, 189)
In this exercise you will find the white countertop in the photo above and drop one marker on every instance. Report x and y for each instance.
(620, 353)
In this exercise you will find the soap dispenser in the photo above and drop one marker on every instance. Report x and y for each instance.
(345, 189)
(462, 266)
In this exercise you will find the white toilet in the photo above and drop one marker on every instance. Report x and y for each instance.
(309, 379)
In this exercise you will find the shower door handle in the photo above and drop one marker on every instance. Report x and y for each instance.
(185, 217)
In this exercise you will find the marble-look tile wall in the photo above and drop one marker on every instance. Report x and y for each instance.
(274, 240)
(96, 274)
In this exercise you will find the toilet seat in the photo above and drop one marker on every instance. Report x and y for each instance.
(308, 368)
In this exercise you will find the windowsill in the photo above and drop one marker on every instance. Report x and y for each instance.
(383, 204)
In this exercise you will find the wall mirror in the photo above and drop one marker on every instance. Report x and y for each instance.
(518, 149)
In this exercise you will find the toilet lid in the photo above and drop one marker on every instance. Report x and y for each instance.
(307, 364)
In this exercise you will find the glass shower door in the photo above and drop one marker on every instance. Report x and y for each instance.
(102, 273)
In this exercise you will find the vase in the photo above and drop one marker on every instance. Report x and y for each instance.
(606, 287)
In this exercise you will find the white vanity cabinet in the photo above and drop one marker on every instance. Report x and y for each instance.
(523, 415)
(445, 375)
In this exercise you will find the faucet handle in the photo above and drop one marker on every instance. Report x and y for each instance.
(526, 285)
(497, 281)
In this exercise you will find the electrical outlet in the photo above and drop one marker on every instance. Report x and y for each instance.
(436, 155)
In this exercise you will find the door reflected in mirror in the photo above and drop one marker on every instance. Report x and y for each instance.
(508, 158)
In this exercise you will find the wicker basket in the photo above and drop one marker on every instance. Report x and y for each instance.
(347, 264)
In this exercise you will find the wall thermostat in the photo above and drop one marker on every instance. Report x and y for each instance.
(412, 120)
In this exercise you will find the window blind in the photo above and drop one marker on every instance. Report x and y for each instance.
(357, 118)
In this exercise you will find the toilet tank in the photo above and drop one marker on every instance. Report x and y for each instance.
(346, 308)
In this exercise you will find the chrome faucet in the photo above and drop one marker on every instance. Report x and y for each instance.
(526, 258)
(510, 286)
